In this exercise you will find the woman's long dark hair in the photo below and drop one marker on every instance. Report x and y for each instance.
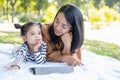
(74, 17)
(54, 39)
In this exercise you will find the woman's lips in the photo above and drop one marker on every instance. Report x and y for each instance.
(57, 32)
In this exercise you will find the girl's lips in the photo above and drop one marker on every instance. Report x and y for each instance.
(37, 40)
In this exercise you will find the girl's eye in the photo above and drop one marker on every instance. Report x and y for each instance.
(32, 33)
(39, 33)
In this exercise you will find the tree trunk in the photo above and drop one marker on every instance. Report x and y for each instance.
(13, 14)
(13, 9)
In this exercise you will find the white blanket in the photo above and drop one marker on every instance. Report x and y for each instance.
(95, 67)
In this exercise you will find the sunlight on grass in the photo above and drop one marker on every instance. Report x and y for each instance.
(11, 37)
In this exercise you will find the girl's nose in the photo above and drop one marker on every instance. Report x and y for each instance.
(37, 35)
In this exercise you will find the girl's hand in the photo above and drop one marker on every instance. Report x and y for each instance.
(14, 67)
(37, 46)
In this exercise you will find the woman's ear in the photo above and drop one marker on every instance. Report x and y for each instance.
(24, 38)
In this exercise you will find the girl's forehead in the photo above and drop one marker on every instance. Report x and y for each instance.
(34, 27)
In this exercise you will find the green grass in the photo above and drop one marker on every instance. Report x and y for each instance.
(103, 48)
(98, 47)
(10, 37)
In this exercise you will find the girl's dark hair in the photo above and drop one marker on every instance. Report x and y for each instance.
(24, 28)
(74, 17)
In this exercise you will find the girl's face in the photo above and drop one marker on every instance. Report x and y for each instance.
(33, 36)
(61, 26)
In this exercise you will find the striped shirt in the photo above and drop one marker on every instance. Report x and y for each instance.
(23, 54)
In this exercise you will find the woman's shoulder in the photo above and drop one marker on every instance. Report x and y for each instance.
(45, 28)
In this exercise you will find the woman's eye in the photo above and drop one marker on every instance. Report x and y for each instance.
(56, 21)
(63, 26)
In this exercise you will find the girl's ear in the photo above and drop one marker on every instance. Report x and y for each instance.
(24, 38)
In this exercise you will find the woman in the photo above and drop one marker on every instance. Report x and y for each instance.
(64, 36)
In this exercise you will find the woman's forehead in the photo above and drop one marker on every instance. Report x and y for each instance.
(62, 19)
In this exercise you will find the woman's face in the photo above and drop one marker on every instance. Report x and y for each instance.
(61, 26)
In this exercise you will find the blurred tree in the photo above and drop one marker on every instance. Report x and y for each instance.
(50, 13)
(61, 2)
(111, 3)
(13, 2)
(41, 5)
(96, 3)
(25, 4)
(2, 8)
(1, 2)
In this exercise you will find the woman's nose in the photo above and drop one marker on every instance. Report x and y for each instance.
(58, 27)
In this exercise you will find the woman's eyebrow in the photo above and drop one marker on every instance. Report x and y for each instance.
(62, 22)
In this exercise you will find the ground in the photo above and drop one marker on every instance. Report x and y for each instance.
(106, 33)
(101, 67)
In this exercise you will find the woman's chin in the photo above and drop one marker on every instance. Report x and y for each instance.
(57, 34)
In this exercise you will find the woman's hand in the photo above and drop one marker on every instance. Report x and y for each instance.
(67, 39)
(70, 60)
(77, 59)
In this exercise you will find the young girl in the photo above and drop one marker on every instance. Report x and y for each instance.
(33, 49)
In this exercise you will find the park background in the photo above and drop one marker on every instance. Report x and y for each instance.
(101, 21)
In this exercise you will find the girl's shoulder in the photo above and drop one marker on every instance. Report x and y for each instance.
(19, 48)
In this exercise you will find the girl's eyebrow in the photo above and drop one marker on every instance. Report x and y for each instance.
(30, 32)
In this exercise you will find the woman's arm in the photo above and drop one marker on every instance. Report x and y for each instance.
(67, 39)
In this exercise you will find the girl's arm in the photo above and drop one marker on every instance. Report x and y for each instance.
(20, 56)
(18, 60)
